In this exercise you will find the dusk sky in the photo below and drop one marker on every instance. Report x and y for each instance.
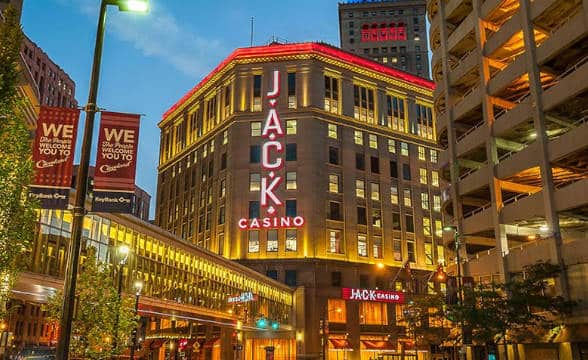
(150, 61)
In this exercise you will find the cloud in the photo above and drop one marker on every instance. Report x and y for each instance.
(159, 35)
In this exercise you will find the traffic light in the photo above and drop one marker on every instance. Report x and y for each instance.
(440, 275)
(261, 323)
(275, 325)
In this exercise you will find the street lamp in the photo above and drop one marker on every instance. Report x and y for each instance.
(73, 257)
(122, 257)
(138, 287)
(457, 257)
(324, 325)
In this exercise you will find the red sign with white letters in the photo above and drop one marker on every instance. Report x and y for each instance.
(372, 295)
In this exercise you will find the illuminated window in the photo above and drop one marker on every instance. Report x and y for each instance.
(253, 241)
(335, 242)
(363, 103)
(225, 137)
(256, 128)
(377, 247)
(397, 249)
(422, 155)
(433, 155)
(391, 146)
(422, 125)
(222, 188)
(291, 180)
(291, 90)
(423, 176)
(440, 254)
(407, 198)
(425, 201)
(227, 101)
(375, 191)
(272, 240)
(254, 182)
(332, 131)
(331, 94)
(360, 188)
(373, 313)
(291, 239)
(394, 194)
(358, 137)
(400, 315)
(438, 228)
(373, 141)
(404, 149)
(256, 92)
(429, 253)
(362, 245)
(395, 113)
(427, 227)
(437, 203)
(334, 183)
(434, 178)
(336, 311)
(291, 127)
(376, 217)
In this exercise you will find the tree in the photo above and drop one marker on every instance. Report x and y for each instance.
(97, 303)
(424, 317)
(17, 214)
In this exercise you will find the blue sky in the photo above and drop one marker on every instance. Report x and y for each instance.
(150, 61)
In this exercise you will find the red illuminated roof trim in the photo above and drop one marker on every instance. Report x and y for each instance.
(301, 48)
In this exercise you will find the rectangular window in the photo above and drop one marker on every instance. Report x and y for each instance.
(406, 171)
(422, 125)
(291, 152)
(393, 169)
(423, 176)
(256, 128)
(291, 239)
(377, 247)
(394, 194)
(291, 208)
(253, 241)
(272, 240)
(391, 146)
(335, 242)
(427, 227)
(409, 222)
(222, 188)
(256, 92)
(358, 137)
(403, 149)
(332, 131)
(422, 155)
(253, 209)
(407, 198)
(360, 188)
(336, 307)
(223, 161)
(425, 201)
(254, 154)
(335, 281)
(363, 103)
(410, 251)
(331, 94)
(397, 249)
(290, 278)
(429, 253)
(437, 203)
(254, 182)
(375, 164)
(373, 141)
(225, 137)
(438, 228)
(361, 215)
(291, 180)
(291, 90)
(359, 161)
(433, 155)
(334, 183)
(272, 274)
(434, 178)
(333, 155)
(395, 113)
(362, 245)
(440, 254)
(376, 217)
(221, 215)
(334, 211)
(375, 191)
(373, 313)
(291, 127)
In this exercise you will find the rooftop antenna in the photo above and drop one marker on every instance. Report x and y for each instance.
(251, 41)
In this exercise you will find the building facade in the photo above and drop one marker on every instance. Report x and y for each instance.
(510, 99)
(315, 167)
(390, 32)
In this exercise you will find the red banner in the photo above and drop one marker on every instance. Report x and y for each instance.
(116, 162)
(53, 153)
(372, 295)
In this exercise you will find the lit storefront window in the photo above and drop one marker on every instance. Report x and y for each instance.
(337, 310)
(373, 313)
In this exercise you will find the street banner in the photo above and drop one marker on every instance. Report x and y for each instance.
(116, 162)
(53, 153)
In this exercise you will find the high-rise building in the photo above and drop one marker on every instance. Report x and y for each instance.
(316, 167)
(391, 32)
(511, 103)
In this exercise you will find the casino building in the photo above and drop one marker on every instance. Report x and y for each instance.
(317, 168)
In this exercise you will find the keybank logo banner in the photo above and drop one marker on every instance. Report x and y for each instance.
(374, 295)
(272, 163)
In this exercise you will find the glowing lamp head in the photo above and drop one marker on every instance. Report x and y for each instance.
(123, 250)
(140, 6)
(275, 325)
(261, 323)
(138, 286)
(380, 265)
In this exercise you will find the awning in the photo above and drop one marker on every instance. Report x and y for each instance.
(210, 343)
(341, 344)
(156, 343)
(379, 345)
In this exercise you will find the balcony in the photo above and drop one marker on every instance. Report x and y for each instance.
(456, 37)
(468, 102)
(474, 181)
(505, 34)
(509, 119)
(464, 65)
(569, 84)
(478, 221)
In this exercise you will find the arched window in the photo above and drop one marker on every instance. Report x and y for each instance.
(374, 32)
(393, 35)
(383, 35)
(401, 31)
(365, 33)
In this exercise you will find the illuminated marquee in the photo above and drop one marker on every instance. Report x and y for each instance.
(243, 297)
(272, 162)
(372, 295)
